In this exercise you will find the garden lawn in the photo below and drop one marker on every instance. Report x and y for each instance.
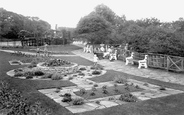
(56, 48)
(170, 105)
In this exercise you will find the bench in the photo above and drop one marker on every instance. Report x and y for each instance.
(137, 57)
(113, 56)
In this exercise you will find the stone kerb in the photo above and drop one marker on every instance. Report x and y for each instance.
(60, 69)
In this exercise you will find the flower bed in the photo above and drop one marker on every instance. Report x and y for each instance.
(59, 66)
(106, 91)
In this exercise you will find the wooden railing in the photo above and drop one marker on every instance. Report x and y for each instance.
(168, 62)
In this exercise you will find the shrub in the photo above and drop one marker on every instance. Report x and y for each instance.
(38, 73)
(93, 88)
(95, 85)
(56, 76)
(78, 101)
(13, 101)
(57, 90)
(96, 72)
(18, 70)
(81, 74)
(47, 75)
(121, 80)
(127, 97)
(29, 74)
(115, 88)
(82, 68)
(97, 102)
(31, 65)
(162, 88)
(70, 78)
(18, 74)
(82, 91)
(67, 97)
(92, 93)
(137, 87)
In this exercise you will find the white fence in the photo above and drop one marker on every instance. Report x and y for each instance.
(11, 43)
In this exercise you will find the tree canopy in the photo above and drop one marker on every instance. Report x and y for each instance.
(144, 35)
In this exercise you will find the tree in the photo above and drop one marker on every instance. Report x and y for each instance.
(94, 27)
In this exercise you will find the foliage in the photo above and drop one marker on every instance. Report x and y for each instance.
(56, 76)
(78, 101)
(12, 100)
(82, 68)
(82, 91)
(47, 75)
(128, 97)
(96, 72)
(56, 62)
(120, 79)
(15, 26)
(67, 97)
(38, 73)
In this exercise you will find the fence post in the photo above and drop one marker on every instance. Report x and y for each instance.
(168, 63)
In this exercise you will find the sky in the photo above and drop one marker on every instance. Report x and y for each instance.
(67, 13)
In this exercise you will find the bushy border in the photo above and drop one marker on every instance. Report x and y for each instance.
(16, 104)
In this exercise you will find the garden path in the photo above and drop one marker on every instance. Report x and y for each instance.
(161, 75)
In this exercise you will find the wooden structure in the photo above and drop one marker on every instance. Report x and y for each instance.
(35, 41)
(174, 63)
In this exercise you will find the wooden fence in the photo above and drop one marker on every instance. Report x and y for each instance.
(167, 62)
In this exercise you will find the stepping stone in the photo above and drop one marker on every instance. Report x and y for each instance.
(108, 103)
(59, 100)
(80, 108)
(45, 91)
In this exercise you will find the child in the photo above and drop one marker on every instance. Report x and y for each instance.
(95, 59)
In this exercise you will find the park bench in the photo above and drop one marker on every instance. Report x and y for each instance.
(141, 59)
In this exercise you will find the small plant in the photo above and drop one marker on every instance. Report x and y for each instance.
(56, 76)
(29, 74)
(95, 85)
(137, 87)
(97, 102)
(82, 91)
(111, 98)
(162, 88)
(104, 89)
(93, 89)
(127, 88)
(38, 73)
(57, 90)
(128, 97)
(46, 75)
(120, 80)
(67, 97)
(90, 83)
(82, 68)
(78, 101)
(18, 70)
(96, 72)
(81, 74)
(70, 78)
(92, 93)
(145, 84)
(115, 88)
(18, 74)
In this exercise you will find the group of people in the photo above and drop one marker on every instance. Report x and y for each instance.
(110, 52)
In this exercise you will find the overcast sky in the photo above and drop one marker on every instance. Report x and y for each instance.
(67, 13)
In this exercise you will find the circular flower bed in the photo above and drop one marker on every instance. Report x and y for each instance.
(58, 65)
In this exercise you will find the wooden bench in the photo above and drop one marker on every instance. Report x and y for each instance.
(137, 57)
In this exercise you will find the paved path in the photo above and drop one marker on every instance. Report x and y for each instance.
(120, 66)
